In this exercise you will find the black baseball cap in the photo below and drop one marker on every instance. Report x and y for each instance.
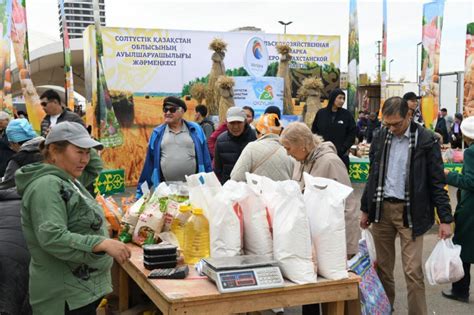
(411, 96)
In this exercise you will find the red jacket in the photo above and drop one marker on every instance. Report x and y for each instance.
(211, 142)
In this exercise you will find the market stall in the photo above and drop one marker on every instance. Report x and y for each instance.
(197, 295)
(202, 247)
(360, 165)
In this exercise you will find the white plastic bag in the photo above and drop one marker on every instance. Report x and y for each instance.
(202, 189)
(291, 234)
(369, 240)
(444, 264)
(226, 221)
(324, 200)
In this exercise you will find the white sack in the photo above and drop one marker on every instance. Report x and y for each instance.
(291, 234)
(257, 223)
(226, 221)
(324, 200)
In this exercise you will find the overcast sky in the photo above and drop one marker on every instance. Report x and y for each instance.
(319, 17)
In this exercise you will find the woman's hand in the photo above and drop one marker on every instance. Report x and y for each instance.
(118, 250)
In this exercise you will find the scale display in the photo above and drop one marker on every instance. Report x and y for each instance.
(243, 273)
(238, 279)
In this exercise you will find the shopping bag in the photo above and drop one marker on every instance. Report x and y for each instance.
(369, 239)
(202, 189)
(373, 299)
(444, 264)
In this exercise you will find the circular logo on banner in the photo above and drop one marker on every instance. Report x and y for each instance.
(256, 57)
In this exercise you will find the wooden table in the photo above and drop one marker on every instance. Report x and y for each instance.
(198, 295)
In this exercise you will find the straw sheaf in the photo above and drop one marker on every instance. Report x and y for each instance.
(120, 93)
(225, 82)
(313, 84)
(198, 91)
(302, 92)
(218, 45)
(283, 49)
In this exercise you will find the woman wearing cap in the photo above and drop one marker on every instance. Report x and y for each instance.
(320, 159)
(24, 141)
(265, 156)
(464, 215)
(71, 254)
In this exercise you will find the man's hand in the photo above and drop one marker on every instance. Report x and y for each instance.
(446, 172)
(444, 231)
(364, 220)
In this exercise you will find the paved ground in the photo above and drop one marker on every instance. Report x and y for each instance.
(437, 305)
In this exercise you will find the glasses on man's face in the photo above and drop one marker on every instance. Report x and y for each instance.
(171, 109)
(393, 125)
(44, 104)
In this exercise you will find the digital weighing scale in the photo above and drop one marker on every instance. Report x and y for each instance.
(243, 273)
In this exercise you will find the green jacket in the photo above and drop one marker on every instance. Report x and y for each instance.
(62, 223)
(464, 215)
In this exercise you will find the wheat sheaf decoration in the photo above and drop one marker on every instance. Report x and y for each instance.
(218, 45)
(283, 49)
(225, 82)
(313, 84)
(198, 91)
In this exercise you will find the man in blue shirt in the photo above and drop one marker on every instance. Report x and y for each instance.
(177, 148)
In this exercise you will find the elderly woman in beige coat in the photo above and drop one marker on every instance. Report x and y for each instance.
(319, 158)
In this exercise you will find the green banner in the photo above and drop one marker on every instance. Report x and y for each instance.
(359, 170)
(110, 182)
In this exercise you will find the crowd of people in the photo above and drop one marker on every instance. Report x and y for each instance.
(47, 180)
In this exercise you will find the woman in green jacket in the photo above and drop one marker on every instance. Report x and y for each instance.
(71, 254)
(464, 215)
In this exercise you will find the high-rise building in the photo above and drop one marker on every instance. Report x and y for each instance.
(79, 14)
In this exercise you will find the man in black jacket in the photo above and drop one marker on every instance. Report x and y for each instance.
(55, 112)
(336, 124)
(405, 184)
(373, 124)
(232, 142)
(442, 126)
